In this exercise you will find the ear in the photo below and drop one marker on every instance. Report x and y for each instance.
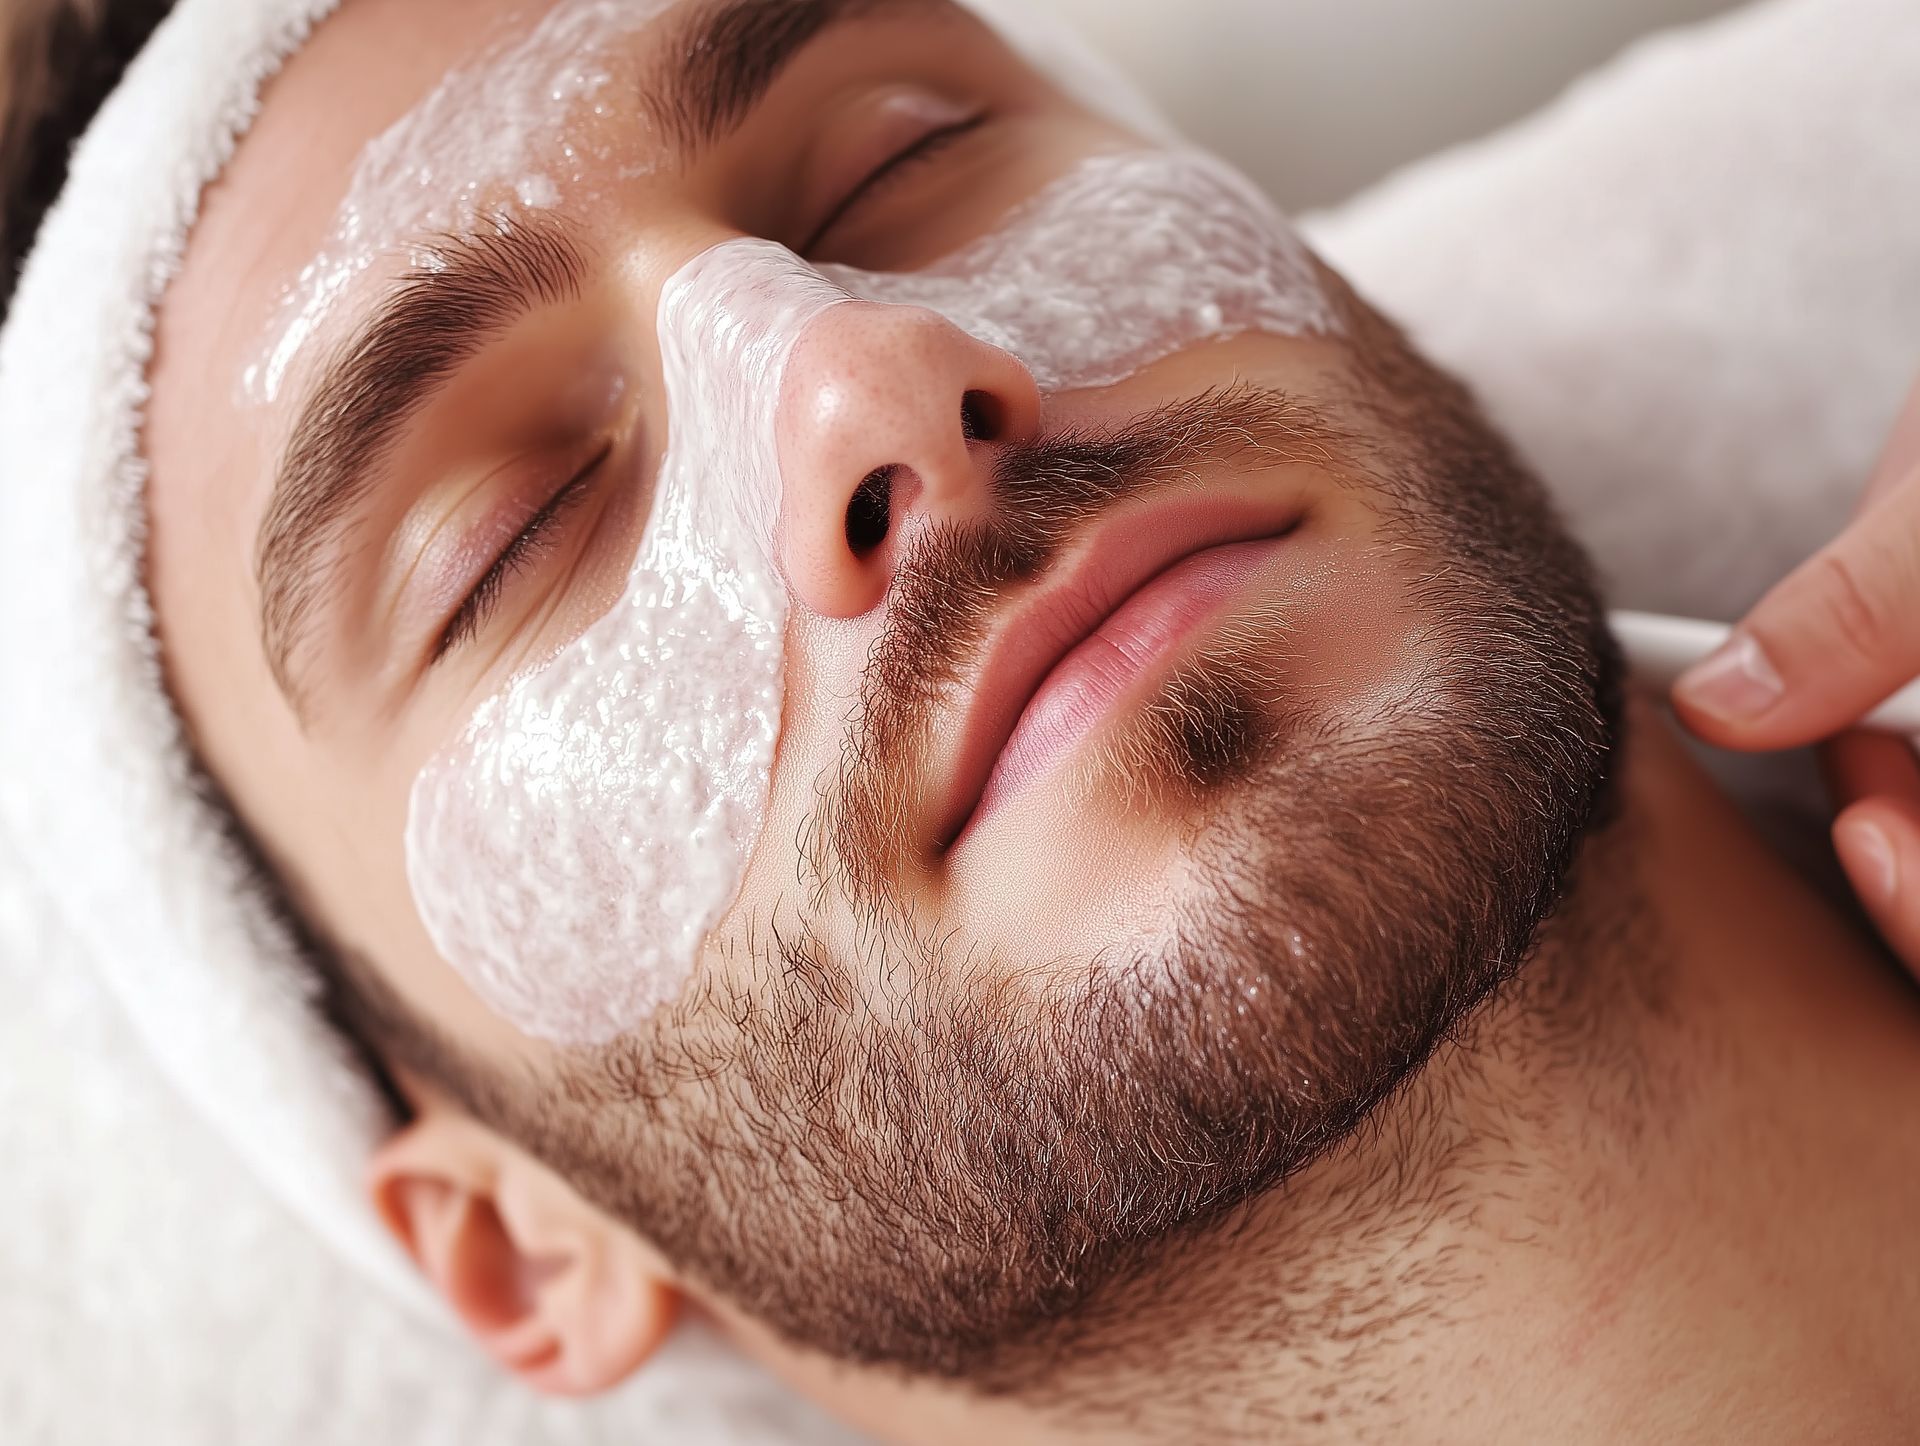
(552, 1288)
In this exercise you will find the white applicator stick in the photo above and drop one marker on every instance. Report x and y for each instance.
(1662, 648)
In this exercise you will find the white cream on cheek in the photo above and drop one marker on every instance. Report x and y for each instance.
(574, 846)
(572, 849)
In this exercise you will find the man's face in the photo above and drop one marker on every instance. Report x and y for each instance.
(1150, 795)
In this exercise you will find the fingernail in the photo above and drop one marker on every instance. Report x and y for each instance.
(1736, 682)
(1870, 862)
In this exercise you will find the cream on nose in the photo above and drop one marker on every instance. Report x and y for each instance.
(889, 417)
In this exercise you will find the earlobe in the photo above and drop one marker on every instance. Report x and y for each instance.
(553, 1289)
(612, 1315)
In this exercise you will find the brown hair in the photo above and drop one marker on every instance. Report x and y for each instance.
(59, 60)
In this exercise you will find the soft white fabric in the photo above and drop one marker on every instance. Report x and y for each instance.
(1609, 274)
(137, 871)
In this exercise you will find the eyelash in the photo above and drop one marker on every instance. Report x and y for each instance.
(924, 149)
(525, 549)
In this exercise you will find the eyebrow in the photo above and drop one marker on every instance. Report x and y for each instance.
(715, 70)
(438, 317)
(725, 58)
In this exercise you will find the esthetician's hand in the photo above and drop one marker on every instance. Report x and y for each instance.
(1815, 655)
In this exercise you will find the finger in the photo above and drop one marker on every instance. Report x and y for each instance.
(1902, 455)
(1878, 841)
(1815, 655)
(1861, 765)
(1875, 781)
(1836, 637)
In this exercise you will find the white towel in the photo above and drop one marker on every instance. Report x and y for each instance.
(1607, 274)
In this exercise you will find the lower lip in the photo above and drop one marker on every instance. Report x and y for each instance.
(1090, 682)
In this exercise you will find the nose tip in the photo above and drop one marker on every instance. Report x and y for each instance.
(889, 417)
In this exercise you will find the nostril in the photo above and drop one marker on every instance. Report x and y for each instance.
(981, 418)
(870, 512)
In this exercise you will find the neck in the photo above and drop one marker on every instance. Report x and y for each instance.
(1662, 1190)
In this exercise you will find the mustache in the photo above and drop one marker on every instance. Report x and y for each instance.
(955, 578)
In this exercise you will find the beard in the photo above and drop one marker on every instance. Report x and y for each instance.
(888, 1154)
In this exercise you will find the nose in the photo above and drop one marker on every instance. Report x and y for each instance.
(890, 417)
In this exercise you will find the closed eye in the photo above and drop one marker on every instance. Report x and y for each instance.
(528, 546)
(924, 149)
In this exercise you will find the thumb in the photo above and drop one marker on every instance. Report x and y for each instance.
(1839, 635)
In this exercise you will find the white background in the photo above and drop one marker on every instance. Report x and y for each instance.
(1315, 98)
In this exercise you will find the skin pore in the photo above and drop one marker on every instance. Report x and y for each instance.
(1639, 1190)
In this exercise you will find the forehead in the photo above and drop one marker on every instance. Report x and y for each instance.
(366, 70)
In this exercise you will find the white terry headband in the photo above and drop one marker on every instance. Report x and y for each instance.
(101, 788)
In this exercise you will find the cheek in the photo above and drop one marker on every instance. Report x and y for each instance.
(345, 849)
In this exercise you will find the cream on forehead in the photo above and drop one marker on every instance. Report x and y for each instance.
(505, 132)
(574, 846)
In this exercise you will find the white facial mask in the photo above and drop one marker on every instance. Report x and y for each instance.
(572, 849)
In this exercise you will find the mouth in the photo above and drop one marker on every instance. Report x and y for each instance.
(1100, 621)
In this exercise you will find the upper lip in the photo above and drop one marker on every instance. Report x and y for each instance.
(1119, 557)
